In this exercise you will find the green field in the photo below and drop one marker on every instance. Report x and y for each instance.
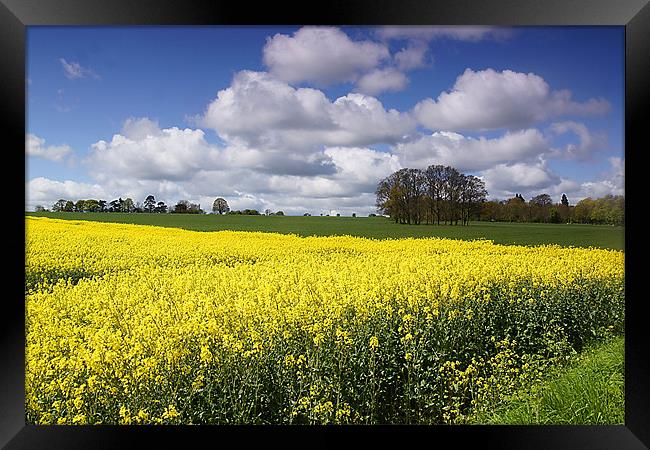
(577, 235)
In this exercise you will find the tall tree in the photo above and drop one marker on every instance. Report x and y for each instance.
(91, 205)
(128, 205)
(454, 183)
(564, 211)
(542, 200)
(583, 209)
(565, 201)
(388, 197)
(115, 205)
(220, 206)
(515, 209)
(59, 205)
(181, 207)
(539, 208)
(440, 193)
(472, 196)
(161, 208)
(434, 178)
(80, 206)
(149, 204)
(413, 182)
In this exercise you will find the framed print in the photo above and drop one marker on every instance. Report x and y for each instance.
(369, 219)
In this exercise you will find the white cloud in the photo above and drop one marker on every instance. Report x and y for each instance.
(461, 33)
(321, 55)
(256, 105)
(174, 164)
(618, 168)
(597, 189)
(292, 148)
(35, 146)
(382, 80)
(74, 70)
(588, 142)
(488, 100)
(411, 57)
(147, 152)
(259, 111)
(505, 180)
(138, 129)
(271, 161)
(612, 182)
(348, 186)
(45, 192)
(472, 154)
(362, 166)
(363, 120)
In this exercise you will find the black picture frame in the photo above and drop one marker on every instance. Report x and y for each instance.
(16, 15)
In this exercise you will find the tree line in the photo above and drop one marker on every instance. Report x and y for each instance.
(119, 205)
(127, 205)
(607, 210)
(438, 194)
(442, 194)
(220, 206)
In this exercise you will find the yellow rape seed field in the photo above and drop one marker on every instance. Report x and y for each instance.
(132, 324)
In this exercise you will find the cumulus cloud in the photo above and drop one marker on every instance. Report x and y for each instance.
(35, 146)
(261, 111)
(321, 55)
(530, 179)
(174, 164)
(145, 151)
(412, 57)
(44, 191)
(287, 147)
(362, 167)
(348, 187)
(363, 120)
(139, 128)
(382, 80)
(472, 154)
(257, 104)
(612, 182)
(588, 142)
(488, 100)
(505, 180)
(74, 70)
(273, 161)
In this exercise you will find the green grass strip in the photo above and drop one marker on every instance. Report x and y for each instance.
(588, 391)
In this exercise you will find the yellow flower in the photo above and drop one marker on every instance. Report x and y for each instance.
(140, 313)
(318, 339)
(170, 413)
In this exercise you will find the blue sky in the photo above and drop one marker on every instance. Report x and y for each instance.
(309, 119)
